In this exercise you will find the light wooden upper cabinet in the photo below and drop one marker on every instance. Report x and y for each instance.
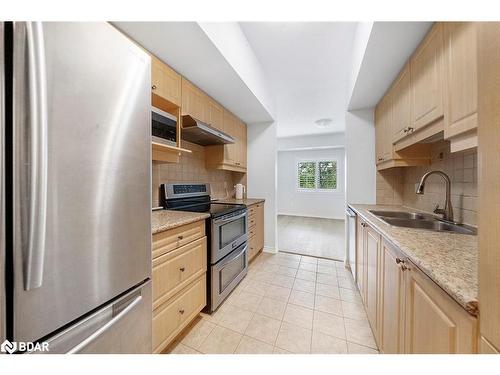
(435, 324)
(215, 114)
(383, 129)
(400, 95)
(460, 82)
(242, 145)
(194, 101)
(426, 70)
(165, 82)
(392, 300)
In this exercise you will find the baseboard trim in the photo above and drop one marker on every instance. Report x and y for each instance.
(268, 249)
(313, 216)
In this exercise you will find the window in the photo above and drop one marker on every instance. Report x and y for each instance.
(317, 175)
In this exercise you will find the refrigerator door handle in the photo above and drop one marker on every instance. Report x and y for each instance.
(36, 96)
(125, 310)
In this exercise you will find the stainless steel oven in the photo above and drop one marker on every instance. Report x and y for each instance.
(226, 275)
(227, 233)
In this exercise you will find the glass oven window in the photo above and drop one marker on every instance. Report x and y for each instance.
(231, 231)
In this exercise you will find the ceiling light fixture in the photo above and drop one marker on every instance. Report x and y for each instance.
(324, 122)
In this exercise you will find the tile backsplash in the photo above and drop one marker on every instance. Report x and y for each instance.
(191, 168)
(397, 186)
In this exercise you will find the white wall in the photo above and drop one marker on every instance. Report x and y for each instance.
(261, 175)
(292, 201)
(360, 156)
(308, 141)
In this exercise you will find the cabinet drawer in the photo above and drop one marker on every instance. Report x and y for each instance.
(252, 210)
(174, 270)
(252, 220)
(171, 239)
(171, 317)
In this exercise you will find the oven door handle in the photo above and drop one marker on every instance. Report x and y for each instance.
(233, 256)
(228, 219)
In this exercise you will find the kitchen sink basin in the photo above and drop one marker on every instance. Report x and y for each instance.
(421, 221)
(401, 215)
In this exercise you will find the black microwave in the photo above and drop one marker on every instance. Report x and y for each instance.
(163, 127)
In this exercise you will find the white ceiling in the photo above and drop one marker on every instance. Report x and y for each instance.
(187, 48)
(389, 46)
(307, 64)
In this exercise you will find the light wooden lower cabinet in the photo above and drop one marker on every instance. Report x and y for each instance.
(408, 312)
(179, 280)
(434, 322)
(392, 300)
(255, 229)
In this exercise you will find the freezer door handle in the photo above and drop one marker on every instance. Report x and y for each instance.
(123, 311)
(35, 125)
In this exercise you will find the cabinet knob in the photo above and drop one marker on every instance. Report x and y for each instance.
(180, 237)
(182, 269)
(181, 311)
(363, 225)
(404, 267)
(405, 130)
(410, 130)
(153, 87)
(398, 261)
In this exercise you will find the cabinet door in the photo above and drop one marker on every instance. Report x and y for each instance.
(360, 257)
(460, 77)
(392, 301)
(165, 81)
(230, 127)
(401, 117)
(435, 323)
(215, 114)
(242, 145)
(426, 70)
(383, 130)
(194, 101)
(372, 245)
(259, 216)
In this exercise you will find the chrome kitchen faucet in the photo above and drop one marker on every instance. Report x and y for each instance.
(447, 211)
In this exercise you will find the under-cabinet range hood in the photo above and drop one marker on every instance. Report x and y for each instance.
(198, 132)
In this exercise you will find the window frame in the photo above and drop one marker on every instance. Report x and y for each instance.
(316, 174)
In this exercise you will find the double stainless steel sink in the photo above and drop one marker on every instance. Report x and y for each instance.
(421, 221)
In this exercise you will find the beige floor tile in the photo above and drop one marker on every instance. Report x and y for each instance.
(327, 262)
(284, 281)
(278, 292)
(217, 315)
(263, 328)
(256, 287)
(247, 301)
(271, 308)
(353, 311)
(329, 324)
(306, 275)
(294, 257)
(327, 291)
(325, 344)
(344, 272)
(221, 341)
(359, 332)
(304, 299)
(197, 333)
(298, 315)
(304, 285)
(308, 259)
(311, 267)
(249, 345)
(286, 271)
(323, 278)
(269, 268)
(288, 263)
(236, 319)
(183, 349)
(328, 305)
(277, 350)
(350, 295)
(294, 338)
(264, 277)
(329, 270)
(340, 265)
(360, 349)
(346, 283)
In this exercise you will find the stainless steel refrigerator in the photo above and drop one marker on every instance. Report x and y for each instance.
(76, 188)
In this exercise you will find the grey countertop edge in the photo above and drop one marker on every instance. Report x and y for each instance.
(468, 300)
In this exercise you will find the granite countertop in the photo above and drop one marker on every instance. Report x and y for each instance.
(450, 259)
(246, 201)
(163, 220)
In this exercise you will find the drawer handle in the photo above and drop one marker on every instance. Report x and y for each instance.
(180, 237)
(153, 87)
(363, 225)
(181, 311)
(182, 269)
(398, 261)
